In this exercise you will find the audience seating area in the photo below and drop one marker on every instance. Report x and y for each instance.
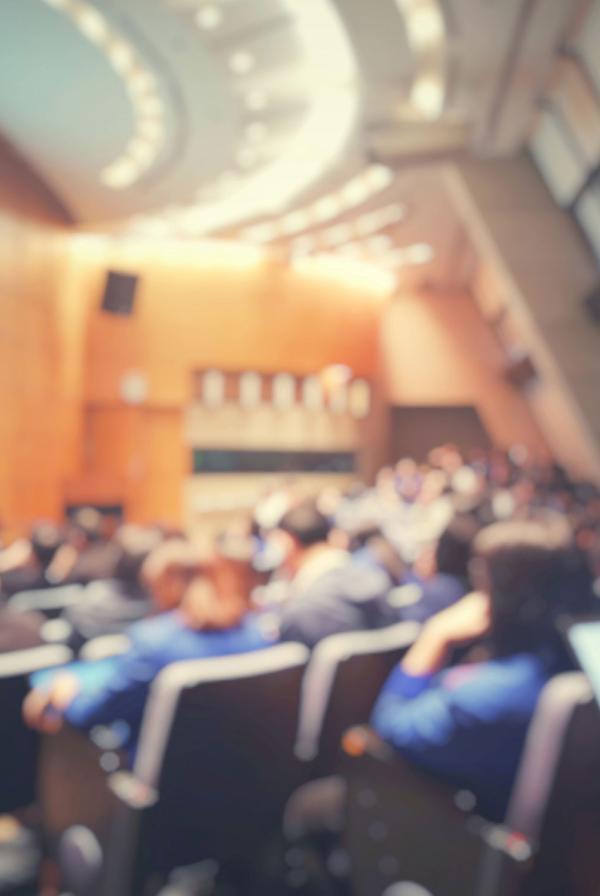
(253, 769)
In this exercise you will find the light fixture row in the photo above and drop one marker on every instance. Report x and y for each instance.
(366, 225)
(426, 35)
(140, 83)
(328, 207)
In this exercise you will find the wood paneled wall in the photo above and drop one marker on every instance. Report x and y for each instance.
(190, 315)
(40, 351)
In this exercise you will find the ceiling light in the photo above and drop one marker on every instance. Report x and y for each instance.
(380, 243)
(378, 177)
(121, 56)
(256, 100)
(241, 62)
(353, 274)
(91, 23)
(326, 208)
(209, 17)
(336, 235)
(425, 26)
(140, 82)
(256, 132)
(150, 128)
(419, 253)
(149, 106)
(141, 151)
(295, 222)
(120, 174)
(355, 192)
(427, 95)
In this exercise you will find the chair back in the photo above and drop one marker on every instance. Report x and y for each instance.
(343, 680)
(217, 745)
(555, 802)
(19, 744)
(403, 825)
(49, 601)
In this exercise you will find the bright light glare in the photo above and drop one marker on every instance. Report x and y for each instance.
(209, 18)
(425, 26)
(418, 253)
(427, 95)
(347, 272)
(331, 83)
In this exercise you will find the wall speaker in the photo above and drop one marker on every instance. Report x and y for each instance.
(591, 303)
(520, 370)
(119, 293)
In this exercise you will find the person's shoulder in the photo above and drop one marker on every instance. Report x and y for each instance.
(157, 628)
(508, 685)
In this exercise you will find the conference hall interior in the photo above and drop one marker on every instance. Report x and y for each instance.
(299, 448)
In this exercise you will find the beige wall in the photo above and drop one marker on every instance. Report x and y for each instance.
(542, 269)
(438, 350)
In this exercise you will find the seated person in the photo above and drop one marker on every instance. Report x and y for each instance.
(440, 580)
(24, 565)
(213, 620)
(467, 724)
(330, 591)
(148, 577)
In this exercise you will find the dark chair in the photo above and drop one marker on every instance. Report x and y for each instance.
(214, 767)
(403, 826)
(343, 680)
(49, 601)
(19, 744)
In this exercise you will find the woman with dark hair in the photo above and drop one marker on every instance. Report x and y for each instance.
(467, 723)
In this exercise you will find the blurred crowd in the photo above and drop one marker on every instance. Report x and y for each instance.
(488, 548)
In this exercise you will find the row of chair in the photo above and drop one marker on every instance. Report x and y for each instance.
(224, 743)
(221, 739)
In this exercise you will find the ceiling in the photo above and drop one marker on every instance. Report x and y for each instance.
(282, 122)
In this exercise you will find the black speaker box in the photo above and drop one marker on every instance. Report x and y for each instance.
(520, 371)
(119, 293)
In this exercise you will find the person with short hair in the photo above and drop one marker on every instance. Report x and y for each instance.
(331, 591)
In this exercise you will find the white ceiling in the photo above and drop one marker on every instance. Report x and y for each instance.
(343, 76)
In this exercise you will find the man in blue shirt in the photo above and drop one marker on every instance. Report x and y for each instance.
(213, 620)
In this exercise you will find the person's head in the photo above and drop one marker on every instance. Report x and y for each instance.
(134, 544)
(45, 539)
(301, 528)
(168, 571)
(524, 566)
(86, 527)
(453, 550)
(218, 596)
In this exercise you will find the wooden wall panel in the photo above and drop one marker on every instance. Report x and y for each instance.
(438, 350)
(40, 351)
(188, 316)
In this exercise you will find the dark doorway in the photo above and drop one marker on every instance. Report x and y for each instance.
(416, 430)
